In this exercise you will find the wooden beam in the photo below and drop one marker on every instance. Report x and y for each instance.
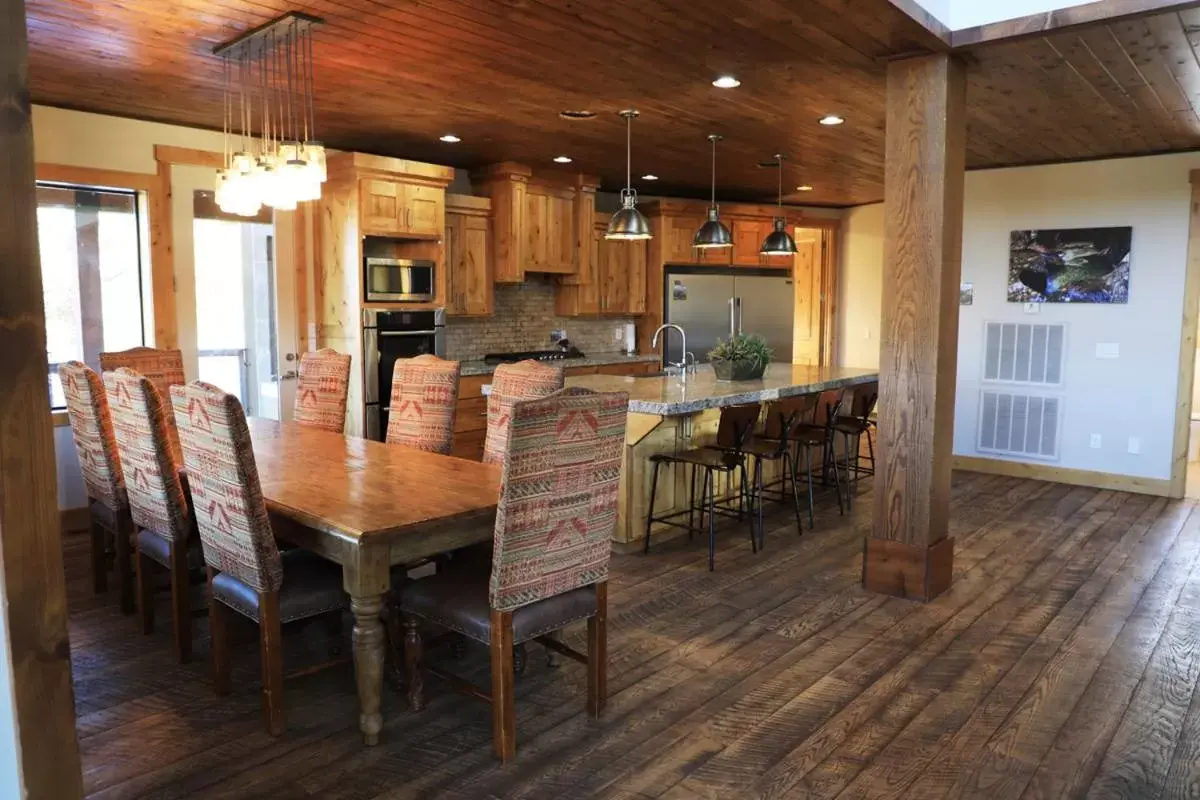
(1187, 348)
(1095, 13)
(33, 593)
(907, 553)
(940, 31)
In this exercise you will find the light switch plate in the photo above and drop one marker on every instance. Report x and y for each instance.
(1096, 441)
(1108, 350)
(1033, 308)
(1135, 445)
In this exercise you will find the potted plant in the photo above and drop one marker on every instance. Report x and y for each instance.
(741, 357)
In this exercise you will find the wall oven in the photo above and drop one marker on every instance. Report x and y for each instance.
(398, 280)
(388, 336)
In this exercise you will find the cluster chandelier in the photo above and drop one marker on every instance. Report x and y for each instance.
(268, 88)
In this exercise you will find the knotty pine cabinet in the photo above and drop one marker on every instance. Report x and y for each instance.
(470, 288)
(613, 281)
(748, 235)
(394, 207)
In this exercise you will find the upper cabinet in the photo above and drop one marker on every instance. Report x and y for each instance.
(534, 219)
(468, 246)
(748, 235)
(396, 207)
(613, 284)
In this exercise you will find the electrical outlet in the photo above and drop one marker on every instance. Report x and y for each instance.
(1135, 445)
(557, 335)
(1095, 441)
(1033, 308)
(867, 333)
(618, 335)
(1108, 350)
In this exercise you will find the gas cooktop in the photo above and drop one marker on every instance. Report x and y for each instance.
(535, 355)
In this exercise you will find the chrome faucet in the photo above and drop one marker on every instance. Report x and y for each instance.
(682, 363)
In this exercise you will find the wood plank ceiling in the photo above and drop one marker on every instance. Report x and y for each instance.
(394, 75)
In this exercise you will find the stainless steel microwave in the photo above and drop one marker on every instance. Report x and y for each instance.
(398, 280)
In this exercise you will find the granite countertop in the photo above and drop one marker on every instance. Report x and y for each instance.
(668, 396)
(594, 360)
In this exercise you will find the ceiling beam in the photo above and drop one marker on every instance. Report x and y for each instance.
(1100, 12)
(928, 21)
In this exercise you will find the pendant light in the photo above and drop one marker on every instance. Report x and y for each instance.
(779, 242)
(628, 223)
(713, 233)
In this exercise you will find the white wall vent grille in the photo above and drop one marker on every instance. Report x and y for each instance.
(1024, 353)
(1019, 424)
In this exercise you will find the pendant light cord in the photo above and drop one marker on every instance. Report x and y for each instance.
(714, 170)
(629, 153)
(779, 158)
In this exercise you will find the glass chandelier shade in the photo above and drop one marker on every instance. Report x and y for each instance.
(628, 224)
(269, 89)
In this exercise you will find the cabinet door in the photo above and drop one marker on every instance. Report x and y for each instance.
(614, 276)
(748, 235)
(678, 234)
(424, 209)
(452, 248)
(551, 233)
(382, 206)
(474, 275)
(635, 279)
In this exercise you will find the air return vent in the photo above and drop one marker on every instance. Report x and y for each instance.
(1024, 353)
(1019, 424)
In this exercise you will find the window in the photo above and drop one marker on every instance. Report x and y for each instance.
(91, 244)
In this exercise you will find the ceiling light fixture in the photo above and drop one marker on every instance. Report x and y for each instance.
(779, 242)
(268, 86)
(831, 119)
(727, 82)
(628, 223)
(804, 188)
(562, 159)
(649, 177)
(450, 138)
(713, 233)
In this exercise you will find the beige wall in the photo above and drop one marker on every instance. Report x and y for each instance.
(860, 282)
(102, 142)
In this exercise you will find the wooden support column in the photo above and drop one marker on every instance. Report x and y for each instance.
(908, 553)
(32, 583)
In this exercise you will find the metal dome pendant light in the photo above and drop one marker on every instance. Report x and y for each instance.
(779, 242)
(713, 233)
(628, 224)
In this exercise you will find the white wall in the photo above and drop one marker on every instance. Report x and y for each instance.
(1133, 395)
(860, 286)
(959, 14)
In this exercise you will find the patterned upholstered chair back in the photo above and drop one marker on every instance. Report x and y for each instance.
(424, 399)
(558, 496)
(164, 368)
(511, 383)
(321, 394)
(91, 424)
(139, 414)
(223, 478)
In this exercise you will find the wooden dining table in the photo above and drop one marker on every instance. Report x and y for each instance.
(369, 506)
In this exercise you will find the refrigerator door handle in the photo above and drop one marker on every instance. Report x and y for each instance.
(737, 304)
(732, 318)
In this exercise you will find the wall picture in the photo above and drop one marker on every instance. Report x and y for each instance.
(1070, 265)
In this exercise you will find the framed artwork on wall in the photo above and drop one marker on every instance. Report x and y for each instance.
(1069, 265)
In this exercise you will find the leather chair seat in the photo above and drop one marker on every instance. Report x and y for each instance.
(457, 599)
(311, 586)
(707, 457)
(159, 549)
(851, 425)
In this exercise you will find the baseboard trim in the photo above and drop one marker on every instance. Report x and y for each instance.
(74, 519)
(1159, 487)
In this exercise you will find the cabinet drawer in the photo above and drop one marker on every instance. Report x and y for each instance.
(469, 445)
(571, 372)
(624, 369)
(472, 386)
(471, 415)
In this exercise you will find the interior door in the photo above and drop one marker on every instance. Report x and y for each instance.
(235, 296)
(808, 331)
(703, 306)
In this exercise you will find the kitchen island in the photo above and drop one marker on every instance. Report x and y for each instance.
(667, 414)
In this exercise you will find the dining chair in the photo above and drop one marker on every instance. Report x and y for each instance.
(157, 499)
(552, 541)
(246, 571)
(163, 367)
(511, 383)
(423, 402)
(100, 463)
(321, 393)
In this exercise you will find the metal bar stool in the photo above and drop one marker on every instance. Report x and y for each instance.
(819, 433)
(782, 425)
(734, 432)
(856, 424)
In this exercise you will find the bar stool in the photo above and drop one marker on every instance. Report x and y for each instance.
(782, 423)
(734, 432)
(856, 424)
(820, 434)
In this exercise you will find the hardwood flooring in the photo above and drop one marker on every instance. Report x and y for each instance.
(1064, 662)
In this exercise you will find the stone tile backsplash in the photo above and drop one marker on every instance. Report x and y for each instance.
(523, 320)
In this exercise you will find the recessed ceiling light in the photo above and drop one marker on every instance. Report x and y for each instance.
(562, 159)
(831, 119)
(727, 82)
(649, 177)
(577, 114)
(450, 138)
(804, 188)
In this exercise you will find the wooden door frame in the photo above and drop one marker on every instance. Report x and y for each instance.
(1187, 347)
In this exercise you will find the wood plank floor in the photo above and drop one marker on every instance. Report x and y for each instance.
(1064, 662)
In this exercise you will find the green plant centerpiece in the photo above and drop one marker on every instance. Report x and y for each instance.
(741, 357)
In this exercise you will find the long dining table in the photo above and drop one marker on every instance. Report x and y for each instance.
(369, 506)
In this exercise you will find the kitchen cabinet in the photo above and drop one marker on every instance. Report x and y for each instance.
(469, 286)
(748, 235)
(550, 230)
(398, 208)
(614, 281)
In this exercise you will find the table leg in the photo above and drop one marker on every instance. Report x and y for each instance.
(367, 583)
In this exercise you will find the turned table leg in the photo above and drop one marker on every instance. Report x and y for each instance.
(367, 582)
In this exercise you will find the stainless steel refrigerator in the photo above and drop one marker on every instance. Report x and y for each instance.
(714, 302)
